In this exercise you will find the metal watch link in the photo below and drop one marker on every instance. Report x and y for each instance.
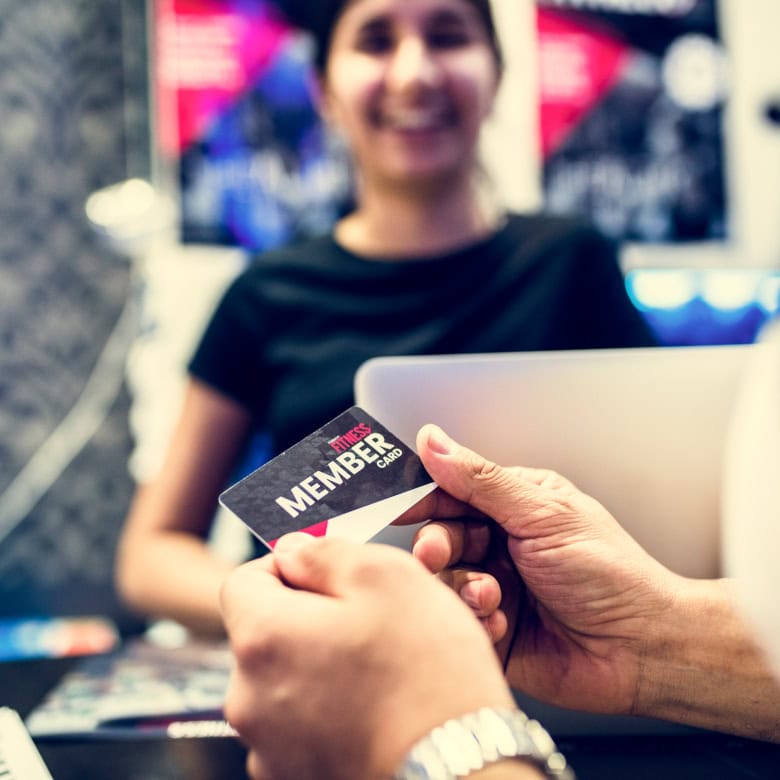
(470, 743)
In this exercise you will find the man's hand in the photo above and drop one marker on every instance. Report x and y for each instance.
(578, 593)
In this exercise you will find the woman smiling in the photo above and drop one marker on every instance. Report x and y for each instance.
(424, 264)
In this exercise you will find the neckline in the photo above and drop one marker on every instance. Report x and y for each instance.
(448, 256)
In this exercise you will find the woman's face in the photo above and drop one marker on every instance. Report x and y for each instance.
(409, 83)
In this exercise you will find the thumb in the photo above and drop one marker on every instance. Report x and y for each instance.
(499, 492)
(335, 567)
(309, 563)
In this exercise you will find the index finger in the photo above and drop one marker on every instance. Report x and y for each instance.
(253, 593)
(438, 545)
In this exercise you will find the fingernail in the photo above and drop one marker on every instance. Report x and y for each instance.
(469, 593)
(439, 442)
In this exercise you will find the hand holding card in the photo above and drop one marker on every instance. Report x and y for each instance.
(350, 479)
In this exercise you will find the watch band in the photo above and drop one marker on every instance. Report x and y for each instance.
(467, 744)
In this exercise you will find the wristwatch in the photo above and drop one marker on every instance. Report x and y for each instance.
(470, 743)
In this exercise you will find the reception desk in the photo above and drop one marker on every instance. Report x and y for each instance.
(694, 755)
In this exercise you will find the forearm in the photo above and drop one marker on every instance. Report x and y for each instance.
(173, 575)
(701, 667)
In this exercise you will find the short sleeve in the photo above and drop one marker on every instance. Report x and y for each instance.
(230, 354)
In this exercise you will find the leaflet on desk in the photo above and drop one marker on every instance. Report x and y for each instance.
(141, 689)
(349, 479)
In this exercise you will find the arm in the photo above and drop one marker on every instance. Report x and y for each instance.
(701, 666)
(164, 567)
(592, 621)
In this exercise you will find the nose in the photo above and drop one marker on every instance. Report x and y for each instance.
(413, 65)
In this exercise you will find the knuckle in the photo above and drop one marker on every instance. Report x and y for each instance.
(236, 714)
(491, 475)
(256, 651)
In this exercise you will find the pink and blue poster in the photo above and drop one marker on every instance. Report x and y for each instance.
(237, 129)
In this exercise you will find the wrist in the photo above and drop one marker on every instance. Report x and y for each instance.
(508, 769)
(701, 666)
(669, 654)
(492, 742)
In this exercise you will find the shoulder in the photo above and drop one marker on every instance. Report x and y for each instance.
(558, 244)
(306, 253)
(284, 265)
(553, 229)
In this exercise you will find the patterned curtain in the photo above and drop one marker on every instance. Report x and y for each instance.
(73, 119)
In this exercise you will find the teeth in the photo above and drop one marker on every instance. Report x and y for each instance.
(415, 120)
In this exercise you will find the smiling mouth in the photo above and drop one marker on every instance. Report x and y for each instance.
(417, 120)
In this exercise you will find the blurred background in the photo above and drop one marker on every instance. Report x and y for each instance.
(74, 108)
(148, 148)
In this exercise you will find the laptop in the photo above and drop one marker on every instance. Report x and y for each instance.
(642, 430)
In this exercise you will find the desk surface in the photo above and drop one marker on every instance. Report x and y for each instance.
(699, 756)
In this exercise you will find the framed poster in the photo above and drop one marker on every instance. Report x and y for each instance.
(631, 103)
(240, 141)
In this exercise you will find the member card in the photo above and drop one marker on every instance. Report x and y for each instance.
(349, 479)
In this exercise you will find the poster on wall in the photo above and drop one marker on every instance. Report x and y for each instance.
(237, 130)
(631, 101)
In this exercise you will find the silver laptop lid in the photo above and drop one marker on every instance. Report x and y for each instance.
(642, 430)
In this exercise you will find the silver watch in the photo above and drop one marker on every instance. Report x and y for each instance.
(465, 745)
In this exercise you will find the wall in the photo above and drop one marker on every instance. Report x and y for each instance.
(72, 120)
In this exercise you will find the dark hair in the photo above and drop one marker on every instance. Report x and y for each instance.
(319, 17)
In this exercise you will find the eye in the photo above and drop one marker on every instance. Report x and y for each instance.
(374, 38)
(447, 39)
(448, 32)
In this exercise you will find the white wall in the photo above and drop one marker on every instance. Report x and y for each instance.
(751, 29)
(511, 149)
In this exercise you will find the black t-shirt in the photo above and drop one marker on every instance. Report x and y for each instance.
(293, 328)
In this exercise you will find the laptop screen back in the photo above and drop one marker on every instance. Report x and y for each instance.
(642, 430)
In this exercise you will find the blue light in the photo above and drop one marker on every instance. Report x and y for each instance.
(705, 306)
(729, 290)
(661, 289)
